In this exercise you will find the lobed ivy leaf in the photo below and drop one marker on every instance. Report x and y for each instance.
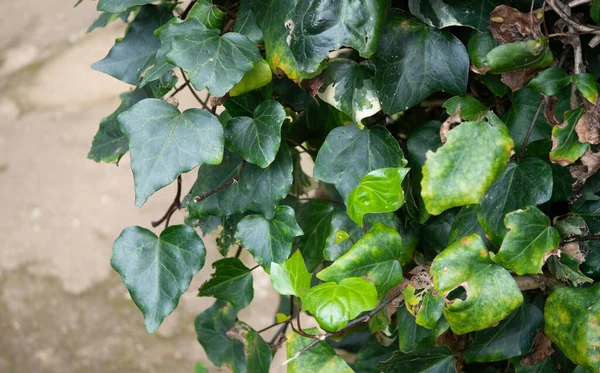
(466, 223)
(376, 255)
(231, 282)
(528, 183)
(349, 153)
(491, 292)
(208, 14)
(550, 81)
(131, 56)
(213, 61)
(165, 143)
(528, 243)
(269, 240)
(246, 23)
(520, 115)
(333, 305)
(586, 83)
(460, 172)
(319, 359)
(566, 269)
(107, 17)
(257, 139)
(370, 354)
(378, 191)
(114, 6)
(571, 321)
(445, 13)
(429, 359)
(413, 61)
(566, 148)
(513, 336)
(291, 278)
(157, 270)
(411, 335)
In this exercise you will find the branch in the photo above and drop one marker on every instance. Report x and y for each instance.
(591, 237)
(530, 129)
(296, 143)
(565, 13)
(532, 282)
(178, 89)
(234, 180)
(187, 10)
(187, 84)
(175, 205)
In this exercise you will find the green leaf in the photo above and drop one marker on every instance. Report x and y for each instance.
(491, 292)
(370, 354)
(258, 77)
(430, 311)
(281, 318)
(231, 281)
(333, 305)
(429, 360)
(136, 52)
(595, 11)
(319, 359)
(566, 269)
(439, 13)
(157, 270)
(460, 172)
(348, 86)
(479, 45)
(257, 139)
(571, 316)
(466, 223)
(566, 147)
(528, 183)
(291, 278)
(435, 235)
(349, 153)
(269, 240)
(520, 115)
(377, 191)
(246, 23)
(212, 61)
(106, 17)
(519, 55)
(586, 83)
(528, 242)
(414, 60)
(375, 255)
(514, 336)
(200, 368)
(257, 189)
(470, 108)
(411, 335)
(550, 81)
(545, 366)
(115, 6)
(208, 14)
(164, 143)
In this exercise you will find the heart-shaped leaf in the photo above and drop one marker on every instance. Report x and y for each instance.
(412, 335)
(291, 278)
(115, 6)
(550, 81)
(566, 147)
(439, 13)
(246, 23)
(231, 281)
(319, 359)
(586, 83)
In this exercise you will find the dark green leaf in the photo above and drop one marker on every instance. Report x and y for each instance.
(157, 270)
(465, 224)
(562, 185)
(115, 6)
(518, 55)
(319, 359)
(414, 60)
(545, 366)
(566, 147)
(291, 278)
(106, 17)
(165, 143)
(586, 83)
(518, 118)
(429, 360)
(595, 11)
(435, 235)
(550, 81)
(566, 269)
(269, 240)
(411, 335)
(208, 14)
(370, 354)
(231, 281)
(591, 266)
(444, 13)
(479, 45)
(246, 25)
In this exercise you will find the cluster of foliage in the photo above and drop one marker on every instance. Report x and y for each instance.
(452, 216)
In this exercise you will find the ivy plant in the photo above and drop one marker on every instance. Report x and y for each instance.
(420, 176)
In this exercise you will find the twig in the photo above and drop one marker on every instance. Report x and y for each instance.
(591, 237)
(270, 327)
(532, 282)
(575, 3)
(296, 143)
(187, 83)
(530, 130)
(178, 89)
(564, 13)
(283, 329)
(188, 9)
(239, 251)
(320, 199)
(253, 268)
(234, 180)
(175, 205)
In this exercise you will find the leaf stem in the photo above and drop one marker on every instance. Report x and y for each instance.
(234, 180)
(192, 90)
(175, 205)
(591, 237)
(530, 129)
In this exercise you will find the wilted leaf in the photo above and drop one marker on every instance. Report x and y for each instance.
(566, 147)
(566, 269)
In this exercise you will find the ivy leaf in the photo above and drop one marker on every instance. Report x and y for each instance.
(246, 23)
(520, 115)
(231, 281)
(208, 14)
(571, 321)
(136, 52)
(514, 336)
(411, 335)
(438, 13)
(430, 311)
(157, 270)
(114, 6)
(165, 143)
(348, 86)
(414, 60)
(465, 224)
(595, 11)
(377, 191)
(550, 81)
(529, 240)
(566, 147)
(518, 55)
(291, 278)
(370, 354)
(491, 292)
(468, 107)
(212, 61)
(269, 240)
(460, 172)
(333, 305)
(375, 255)
(528, 183)
(349, 153)
(429, 359)
(257, 139)
(273, 182)
(258, 77)
(319, 359)
(566, 269)
(586, 83)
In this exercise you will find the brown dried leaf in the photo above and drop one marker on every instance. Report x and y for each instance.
(590, 164)
(542, 348)
(509, 25)
(588, 126)
(550, 105)
(572, 248)
(518, 79)
(312, 85)
(446, 126)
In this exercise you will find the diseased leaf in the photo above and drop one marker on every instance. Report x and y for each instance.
(413, 61)
(479, 45)
(157, 270)
(571, 321)
(378, 191)
(213, 61)
(514, 336)
(586, 83)
(566, 269)
(291, 278)
(319, 359)
(469, 108)
(333, 305)
(231, 281)
(257, 139)
(529, 241)
(550, 81)
(528, 183)
(376, 255)
(115, 6)
(349, 153)
(491, 292)
(460, 172)
(411, 335)
(269, 240)
(164, 143)
(429, 359)
(566, 147)
(440, 13)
